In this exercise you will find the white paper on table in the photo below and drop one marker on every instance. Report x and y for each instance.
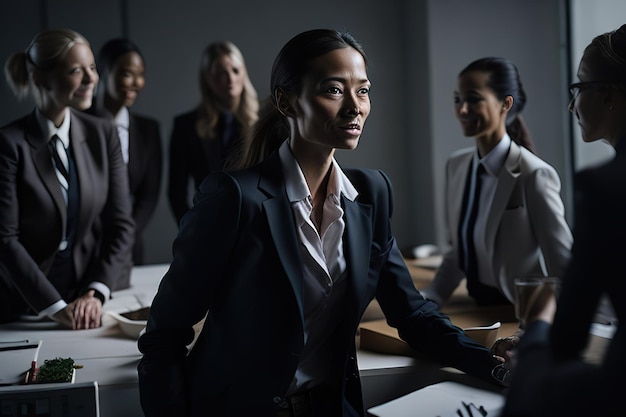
(442, 400)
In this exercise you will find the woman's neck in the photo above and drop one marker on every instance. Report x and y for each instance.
(486, 143)
(111, 105)
(315, 163)
(55, 115)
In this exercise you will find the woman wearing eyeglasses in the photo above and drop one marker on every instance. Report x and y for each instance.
(504, 211)
(550, 378)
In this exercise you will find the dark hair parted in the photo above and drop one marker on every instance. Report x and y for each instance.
(610, 63)
(290, 66)
(504, 80)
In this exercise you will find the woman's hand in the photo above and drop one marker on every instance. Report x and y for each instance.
(87, 311)
(83, 313)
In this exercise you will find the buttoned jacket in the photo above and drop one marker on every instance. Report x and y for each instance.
(237, 262)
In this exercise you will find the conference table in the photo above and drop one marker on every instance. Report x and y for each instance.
(110, 357)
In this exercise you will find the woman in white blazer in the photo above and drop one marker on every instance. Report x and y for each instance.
(519, 228)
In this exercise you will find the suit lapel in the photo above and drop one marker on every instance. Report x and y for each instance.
(78, 142)
(457, 183)
(134, 139)
(506, 183)
(43, 165)
(278, 212)
(357, 245)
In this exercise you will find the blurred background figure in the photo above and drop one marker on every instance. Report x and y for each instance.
(504, 213)
(66, 230)
(550, 378)
(204, 139)
(122, 77)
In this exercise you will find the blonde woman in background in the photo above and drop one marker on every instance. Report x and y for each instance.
(66, 230)
(203, 140)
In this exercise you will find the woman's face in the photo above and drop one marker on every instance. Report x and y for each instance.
(334, 102)
(226, 78)
(126, 79)
(72, 82)
(587, 103)
(480, 112)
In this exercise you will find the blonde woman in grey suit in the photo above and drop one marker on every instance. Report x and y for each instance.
(504, 212)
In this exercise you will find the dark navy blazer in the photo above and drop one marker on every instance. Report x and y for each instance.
(236, 257)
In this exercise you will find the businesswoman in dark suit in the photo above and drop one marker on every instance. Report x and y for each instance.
(65, 225)
(550, 379)
(517, 227)
(285, 256)
(204, 139)
(122, 77)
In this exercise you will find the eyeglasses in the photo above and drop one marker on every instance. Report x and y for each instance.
(576, 88)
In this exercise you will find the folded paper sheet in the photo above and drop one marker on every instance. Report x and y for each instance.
(445, 399)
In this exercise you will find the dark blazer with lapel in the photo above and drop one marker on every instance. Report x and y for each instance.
(549, 358)
(145, 161)
(33, 213)
(236, 257)
(190, 157)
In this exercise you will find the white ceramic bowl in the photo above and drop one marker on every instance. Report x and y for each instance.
(132, 322)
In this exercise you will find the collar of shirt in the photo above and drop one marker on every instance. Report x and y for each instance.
(295, 183)
(122, 118)
(49, 129)
(493, 162)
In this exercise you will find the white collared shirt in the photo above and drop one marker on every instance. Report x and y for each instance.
(122, 123)
(493, 163)
(63, 132)
(324, 264)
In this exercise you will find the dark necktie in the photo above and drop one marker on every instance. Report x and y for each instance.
(483, 294)
(67, 176)
(469, 257)
(59, 155)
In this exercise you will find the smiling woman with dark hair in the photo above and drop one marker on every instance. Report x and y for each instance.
(122, 77)
(504, 212)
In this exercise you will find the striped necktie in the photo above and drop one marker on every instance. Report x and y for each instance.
(59, 156)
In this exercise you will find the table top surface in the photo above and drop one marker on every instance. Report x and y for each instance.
(111, 358)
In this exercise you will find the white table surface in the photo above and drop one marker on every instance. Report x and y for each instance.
(110, 358)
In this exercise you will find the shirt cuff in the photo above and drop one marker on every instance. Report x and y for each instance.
(53, 309)
(102, 289)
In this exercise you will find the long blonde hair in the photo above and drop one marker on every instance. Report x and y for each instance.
(208, 115)
(44, 53)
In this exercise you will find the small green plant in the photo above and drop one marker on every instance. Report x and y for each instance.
(55, 370)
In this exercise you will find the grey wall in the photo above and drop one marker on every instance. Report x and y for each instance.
(591, 18)
(416, 48)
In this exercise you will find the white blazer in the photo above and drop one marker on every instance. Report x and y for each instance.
(526, 235)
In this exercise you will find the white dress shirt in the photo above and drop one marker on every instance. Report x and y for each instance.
(122, 123)
(324, 265)
(492, 163)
